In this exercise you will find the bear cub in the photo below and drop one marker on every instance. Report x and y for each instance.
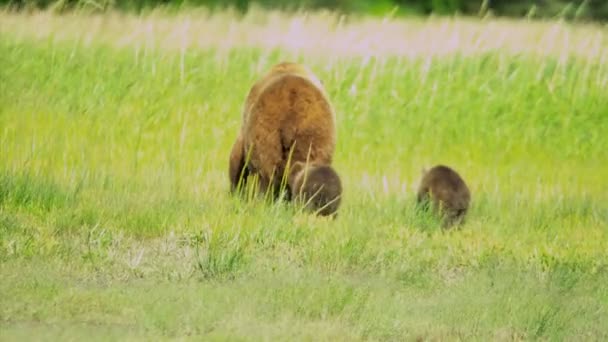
(318, 187)
(445, 191)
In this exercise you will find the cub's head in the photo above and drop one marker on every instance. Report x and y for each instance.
(317, 187)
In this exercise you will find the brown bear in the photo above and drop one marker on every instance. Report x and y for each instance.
(287, 118)
(447, 192)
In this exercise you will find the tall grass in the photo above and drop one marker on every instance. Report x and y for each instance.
(115, 216)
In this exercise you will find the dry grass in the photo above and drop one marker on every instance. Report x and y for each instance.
(315, 34)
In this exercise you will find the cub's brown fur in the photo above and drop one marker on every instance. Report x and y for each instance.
(447, 192)
(286, 116)
(318, 187)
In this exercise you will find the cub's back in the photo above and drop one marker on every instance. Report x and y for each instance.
(446, 185)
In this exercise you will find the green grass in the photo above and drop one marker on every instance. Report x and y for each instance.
(116, 221)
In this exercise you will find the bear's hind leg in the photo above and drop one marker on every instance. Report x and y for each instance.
(237, 170)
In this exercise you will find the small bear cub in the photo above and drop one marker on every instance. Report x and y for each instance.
(445, 191)
(318, 187)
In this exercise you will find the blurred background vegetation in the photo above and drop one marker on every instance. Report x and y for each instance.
(596, 10)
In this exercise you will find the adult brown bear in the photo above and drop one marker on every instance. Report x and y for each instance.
(287, 118)
(446, 191)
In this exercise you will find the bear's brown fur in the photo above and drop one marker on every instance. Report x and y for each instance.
(286, 117)
(447, 192)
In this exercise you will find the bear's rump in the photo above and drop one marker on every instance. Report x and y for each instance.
(289, 110)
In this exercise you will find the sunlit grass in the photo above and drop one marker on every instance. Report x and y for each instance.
(115, 216)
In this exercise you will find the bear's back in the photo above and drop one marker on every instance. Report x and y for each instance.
(447, 186)
(290, 103)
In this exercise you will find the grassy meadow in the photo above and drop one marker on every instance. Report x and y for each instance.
(116, 221)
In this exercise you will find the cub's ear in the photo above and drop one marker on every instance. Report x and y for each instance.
(296, 167)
